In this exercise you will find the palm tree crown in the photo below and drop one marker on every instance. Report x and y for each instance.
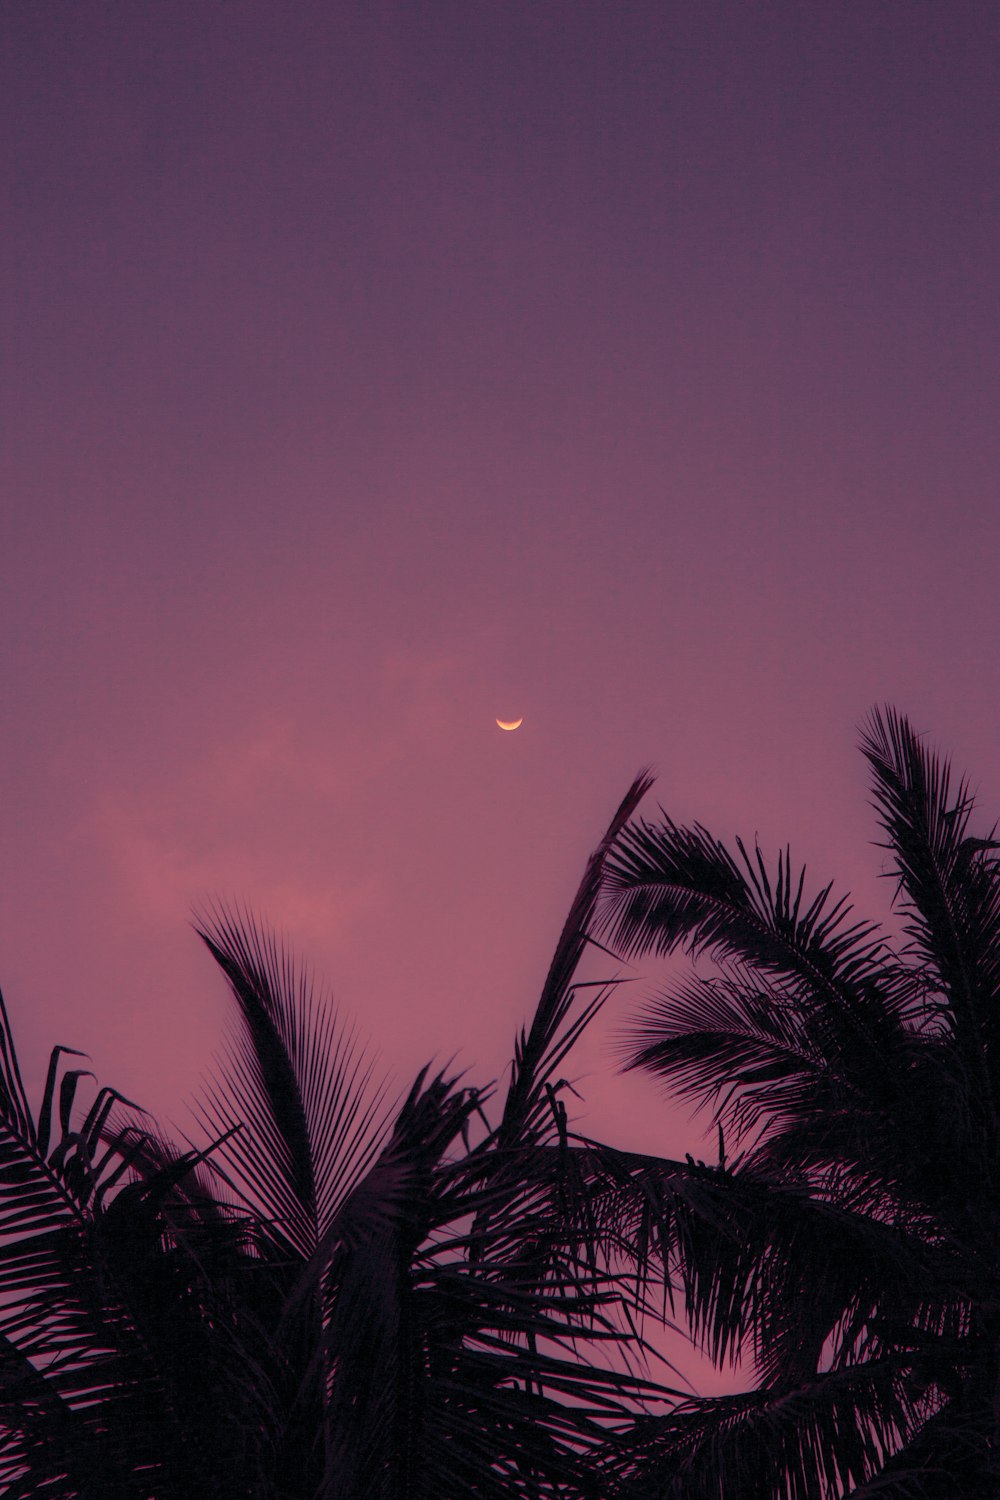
(336, 1298)
(849, 1250)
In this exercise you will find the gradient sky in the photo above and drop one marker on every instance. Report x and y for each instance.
(374, 368)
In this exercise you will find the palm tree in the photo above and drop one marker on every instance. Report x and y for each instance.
(846, 1243)
(333, 1298)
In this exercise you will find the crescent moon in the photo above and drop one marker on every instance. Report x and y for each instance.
(510, 724)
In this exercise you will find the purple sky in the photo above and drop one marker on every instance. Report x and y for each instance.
(370, 370)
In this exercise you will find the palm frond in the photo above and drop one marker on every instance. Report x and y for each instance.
(948, 881)
(765, 1268)
(768, 1064)
(812, 1442)
(666, 887)
(309, 1112)
(559, 1017)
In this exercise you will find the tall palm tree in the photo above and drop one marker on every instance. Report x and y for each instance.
(846, 1243)
(334, 1298)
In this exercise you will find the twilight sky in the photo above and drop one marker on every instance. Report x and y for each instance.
(372, 369)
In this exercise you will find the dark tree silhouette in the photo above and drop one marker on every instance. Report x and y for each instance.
(847, 1242)
(335, 1299)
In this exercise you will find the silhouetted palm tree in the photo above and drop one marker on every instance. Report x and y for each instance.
(333, 1299)
(849, 1250)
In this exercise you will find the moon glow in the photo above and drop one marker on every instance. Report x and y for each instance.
(510, 724)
